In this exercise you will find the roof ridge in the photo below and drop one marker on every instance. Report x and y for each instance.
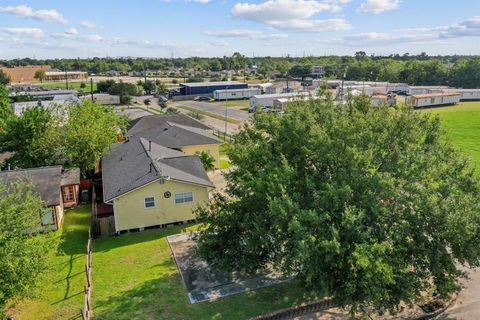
(34, 168)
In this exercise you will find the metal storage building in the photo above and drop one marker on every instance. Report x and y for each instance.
(231, 94)
(433, 99)
(207, 88)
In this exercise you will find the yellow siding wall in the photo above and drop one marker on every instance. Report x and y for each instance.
(130, 211)
(213, 148)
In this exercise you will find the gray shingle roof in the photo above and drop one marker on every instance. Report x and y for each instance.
(46, 181)
(160, 121)
(70, 176)
(173, 131)
(138, 161)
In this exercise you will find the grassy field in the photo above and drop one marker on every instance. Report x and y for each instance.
(210, 114)
(135, 277)
(60, 293)
(234, 103)
(462, 124)
(71, 85)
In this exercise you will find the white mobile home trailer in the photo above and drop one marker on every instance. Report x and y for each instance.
(266, 100)
(434, 99)
(469, 94)
(232, 94)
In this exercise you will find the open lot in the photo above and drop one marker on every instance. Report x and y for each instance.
(462, 124)
(135, 277)
(71, 85)
(60, 293)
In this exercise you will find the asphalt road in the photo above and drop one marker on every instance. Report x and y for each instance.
(210, 107)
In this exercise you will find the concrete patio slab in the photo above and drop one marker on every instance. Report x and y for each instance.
(203, 283)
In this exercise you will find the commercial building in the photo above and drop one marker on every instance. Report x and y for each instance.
(23, 74)
(62, 75)
(60, 100)
(284, 87)
(232, 94)
(207, 88)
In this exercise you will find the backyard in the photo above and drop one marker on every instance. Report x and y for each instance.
(135, 277)
(60, 293)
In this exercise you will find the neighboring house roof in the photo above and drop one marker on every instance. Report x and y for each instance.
(136, 162)
(155, 121)
(173, 131)
(70, 176)
(47, 181)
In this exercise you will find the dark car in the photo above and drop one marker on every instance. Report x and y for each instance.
(202, 98)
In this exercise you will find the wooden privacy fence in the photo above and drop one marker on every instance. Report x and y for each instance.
(298, 311)
(87, 305)
(103, 226)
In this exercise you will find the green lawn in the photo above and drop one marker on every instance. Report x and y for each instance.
(71, 85)
(60, 293)
(234, 103)
(462, 124)
(135, 277)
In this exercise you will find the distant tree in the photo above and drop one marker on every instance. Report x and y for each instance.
(123, 88)
(208, 160)
(149, 86)
(4, 78)
(300, 71)
(146, 101)
(22, 254)
(466, 73)
(90, 130)
(125, 99)
(5, 107)
(40, 75)
(372, 205)
(195, 79)
(104, 86)
(162, 104)
(215, 65)
(83, 85)
(35, 138)
(162, 88)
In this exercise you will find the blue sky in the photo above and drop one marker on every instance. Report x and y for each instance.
(182, 28)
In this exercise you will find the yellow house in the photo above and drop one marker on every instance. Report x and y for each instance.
(152, 185)
(178, 132)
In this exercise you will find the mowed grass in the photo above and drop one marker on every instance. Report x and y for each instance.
(71, 85)
(462, 124)
(60, 293)
(135, 277)
(234, 103)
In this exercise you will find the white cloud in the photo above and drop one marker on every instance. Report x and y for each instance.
(201, 1)
(293, 14)
(379, 6)
(29, 32)
(467, 28)
(72, 31)
(28, 12)
(88, 24)
(234, 33)
(220, 43)
(246, 33)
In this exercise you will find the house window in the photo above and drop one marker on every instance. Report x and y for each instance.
(68, 194)
(150, 202)
(183, 197)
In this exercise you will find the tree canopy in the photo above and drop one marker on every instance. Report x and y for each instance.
(22, 255)
(372, 204)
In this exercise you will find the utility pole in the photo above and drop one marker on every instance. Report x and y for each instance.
(91, 88)
(66, 78)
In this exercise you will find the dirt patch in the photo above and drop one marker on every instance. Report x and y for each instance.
(204, 283)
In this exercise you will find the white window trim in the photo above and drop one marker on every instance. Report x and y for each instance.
(154, 202)
(179, 204)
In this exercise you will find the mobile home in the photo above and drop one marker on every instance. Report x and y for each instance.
(232, 94)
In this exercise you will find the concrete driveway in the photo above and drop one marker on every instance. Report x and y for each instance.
(214, 108)
(467, 305)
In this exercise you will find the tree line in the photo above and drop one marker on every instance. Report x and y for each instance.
(457, 71)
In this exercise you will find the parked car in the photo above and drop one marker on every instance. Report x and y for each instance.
(162, 98)
(202, 98)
